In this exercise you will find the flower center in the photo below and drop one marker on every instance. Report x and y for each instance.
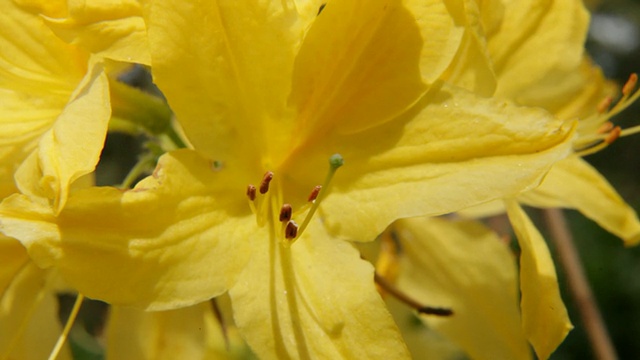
(597, 131)
(268, 206)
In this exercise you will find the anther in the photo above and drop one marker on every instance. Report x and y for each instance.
(266, 179)
(285, 213)
(605, 128)
(291, 231)
(630, 84)
(314, 193)
(604, 105)
(251, 192)
(614, 134)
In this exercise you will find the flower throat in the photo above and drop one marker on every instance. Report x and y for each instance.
(266, 204)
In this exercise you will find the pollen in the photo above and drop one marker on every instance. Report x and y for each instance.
(266, 203)
(314, 193)
(251, 192)
(266, 180)
(291, 230)
(285, 213)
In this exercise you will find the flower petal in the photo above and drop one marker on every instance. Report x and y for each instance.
(72, 147)
(556, 28)
(464, 266)
(112, 29)
(233, 59)
(175, 334)
(315, 299)
(573, 183)
(544, 316)
(452, 151)
(359, 64)
(177, 239)
(472, 67)
(29, 322)
(13, 257)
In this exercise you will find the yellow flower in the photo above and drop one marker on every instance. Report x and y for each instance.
(463, 266)
(274, 89)
(564, 82)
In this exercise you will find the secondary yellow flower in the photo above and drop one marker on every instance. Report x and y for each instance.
(565, 83)
(464, 266)
(266, 93)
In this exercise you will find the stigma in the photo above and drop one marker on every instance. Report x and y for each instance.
(266, 202)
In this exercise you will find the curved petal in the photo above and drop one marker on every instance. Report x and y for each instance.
(38, 74)
(362, 63)
(315, 299)
(29, 322)
(452, 151)
(464, 266)
(72, 147)
(174, 334)
(544, 316)
(472, 67)
(227, 74)
(176, 239)
(556, 28)
(572, 183)
(112, 29)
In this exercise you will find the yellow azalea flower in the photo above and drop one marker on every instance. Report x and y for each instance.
(568, 85)
(463, 266)
(266, 92)
(565, 83)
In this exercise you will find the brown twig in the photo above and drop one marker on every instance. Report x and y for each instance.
(579, 286)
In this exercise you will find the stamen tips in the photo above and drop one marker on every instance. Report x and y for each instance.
(614, 134)
(335, 161)
(604, 105)
(630, 84)
(285, 213)
(314, 193)
(251, 192)
(266, 180)
(291, 231)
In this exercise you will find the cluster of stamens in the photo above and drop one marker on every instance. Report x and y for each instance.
(599, 132)
(290, 228)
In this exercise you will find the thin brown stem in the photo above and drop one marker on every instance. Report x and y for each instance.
(579, 286)
(392, 290)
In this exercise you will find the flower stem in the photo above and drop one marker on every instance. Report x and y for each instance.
(579, 286)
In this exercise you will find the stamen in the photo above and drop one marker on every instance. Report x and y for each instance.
(427, 310)
(67, 327)
(285, 213)
(251, 192)
(630, 84)
(291, 231)
(604, 105)
(314, 193)
(335, 162)
(605, 128)
(614, 134)
(266, 179)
